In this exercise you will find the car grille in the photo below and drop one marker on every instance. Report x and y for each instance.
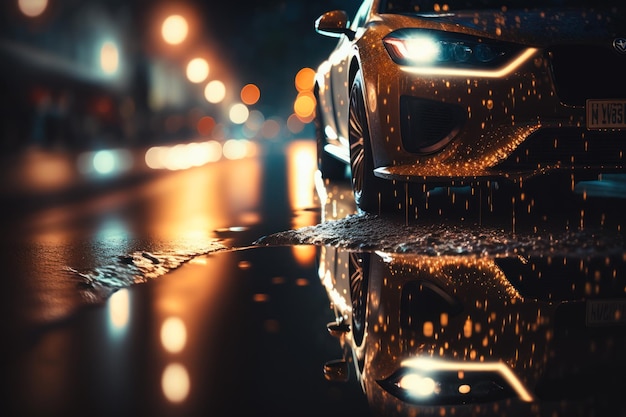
(567, 147)
(582, 72)
(427, 125)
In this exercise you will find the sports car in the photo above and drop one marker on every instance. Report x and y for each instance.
(425, 93)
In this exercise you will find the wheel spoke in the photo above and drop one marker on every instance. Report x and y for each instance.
(356, 119)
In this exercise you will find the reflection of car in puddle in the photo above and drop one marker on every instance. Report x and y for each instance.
(462, 335)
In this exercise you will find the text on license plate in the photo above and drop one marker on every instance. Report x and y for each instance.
(606, 312)
(606, 114)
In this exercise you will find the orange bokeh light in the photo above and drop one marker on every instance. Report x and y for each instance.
(205, 125)
(250, 94)
(304, 106)
(305, 79)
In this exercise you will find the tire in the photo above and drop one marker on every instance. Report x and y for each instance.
(371, 194)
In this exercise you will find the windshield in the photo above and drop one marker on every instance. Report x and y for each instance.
(429, 6)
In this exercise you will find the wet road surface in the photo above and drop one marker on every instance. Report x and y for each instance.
(208, 292)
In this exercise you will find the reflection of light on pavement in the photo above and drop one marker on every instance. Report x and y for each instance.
(119, 309)
(301, 160)
(301, 156)
(304, 254)
(46, 171)
(173, 334)
(175, 383)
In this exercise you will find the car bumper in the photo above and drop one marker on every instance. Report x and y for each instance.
(511, 125)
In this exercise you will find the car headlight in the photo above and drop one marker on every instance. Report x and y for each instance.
(431, 48)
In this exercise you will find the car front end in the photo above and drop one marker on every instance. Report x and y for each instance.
(460, 96)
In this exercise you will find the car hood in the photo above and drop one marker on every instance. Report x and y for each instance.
(531, 27)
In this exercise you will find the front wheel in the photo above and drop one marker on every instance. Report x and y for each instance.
(371, 194)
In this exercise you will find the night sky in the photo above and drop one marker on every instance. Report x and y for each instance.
(268, 41)
(262, 42)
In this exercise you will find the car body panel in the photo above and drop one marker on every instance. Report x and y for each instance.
(502, 107)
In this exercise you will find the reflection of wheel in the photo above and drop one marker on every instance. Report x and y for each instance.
(329, 166)
(359, 271)
(371, 193)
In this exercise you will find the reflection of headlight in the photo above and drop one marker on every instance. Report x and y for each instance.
(440, 382)
(411, 47)
(417, 385)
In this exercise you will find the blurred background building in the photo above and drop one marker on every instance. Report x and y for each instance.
(90, 74)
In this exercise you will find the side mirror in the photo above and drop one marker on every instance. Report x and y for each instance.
(334, 24)
(336, 370)
(337, 329)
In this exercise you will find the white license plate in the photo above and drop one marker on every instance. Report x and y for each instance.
(606, 312)
(606, 114)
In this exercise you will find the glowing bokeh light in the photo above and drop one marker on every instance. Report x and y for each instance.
(175, 29)
(104, 162)
(255, 120)
(295, 124)
(32, 8)
(239, 113)
(235, 149)
(205, 125)
(197, 70)
(109, 58)
(215, 91)
(304, 106)
(250, 94)
(305, 79)
(183, 156)
(271, 129)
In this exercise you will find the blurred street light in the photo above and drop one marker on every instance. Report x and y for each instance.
(109, 58)
(175, 29)
(215, 91)
(197, 70)
(32, 8)
(250, 94)
(239, 113)
(305, 79)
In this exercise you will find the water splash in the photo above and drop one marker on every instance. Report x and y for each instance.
(135, 268)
